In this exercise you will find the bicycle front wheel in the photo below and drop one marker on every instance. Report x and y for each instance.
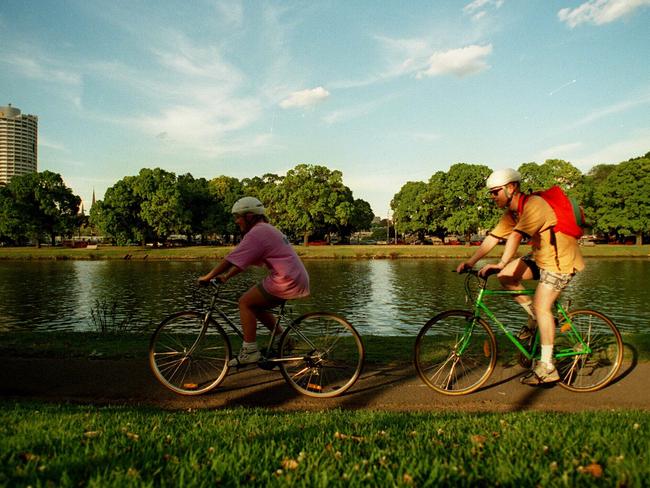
(188, 356)
(588, 371)
(321, 355)
(455, 352)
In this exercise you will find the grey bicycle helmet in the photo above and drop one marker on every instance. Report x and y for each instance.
(248, 205)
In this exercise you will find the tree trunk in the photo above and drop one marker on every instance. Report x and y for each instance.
(305, 240)
(639, 238)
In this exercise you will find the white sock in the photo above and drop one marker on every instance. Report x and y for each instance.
(249, 346)
(547, 354)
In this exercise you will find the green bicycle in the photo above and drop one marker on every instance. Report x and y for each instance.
(456, 351)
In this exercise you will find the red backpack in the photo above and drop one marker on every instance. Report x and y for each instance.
(569, 214)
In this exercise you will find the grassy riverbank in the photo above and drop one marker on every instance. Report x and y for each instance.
(71, 445)
(380, 350)
(305, 252)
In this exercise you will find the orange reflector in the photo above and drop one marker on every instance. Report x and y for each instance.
(190, 386)
(313, 386)
(565, 327)
(486, 349)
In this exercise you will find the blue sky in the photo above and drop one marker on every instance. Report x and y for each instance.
(386, 91)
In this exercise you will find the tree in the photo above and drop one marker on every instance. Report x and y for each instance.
(552, 172)
(467, 199)
(43, 206)
(409, 206)
(118, 214)
(161, 205)
(225, 191)
(202, 210)
(312, 199)
(623, 199)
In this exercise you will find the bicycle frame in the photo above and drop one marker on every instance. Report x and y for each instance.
(282, 315)
(479, 307)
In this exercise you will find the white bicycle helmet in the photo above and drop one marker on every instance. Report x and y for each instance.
(502, 177)
(248, 205)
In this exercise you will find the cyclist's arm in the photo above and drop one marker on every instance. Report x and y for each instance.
(225, 269)
(486, 246)
(512, 244)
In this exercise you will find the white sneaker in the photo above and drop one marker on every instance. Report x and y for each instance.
(245, 357)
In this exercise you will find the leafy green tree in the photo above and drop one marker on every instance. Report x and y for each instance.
(202, 211)
(410, 210)
(118, 214)
(623, 199)
(44, 207)
(11, 223)
(362, 216)
(467, 200)
(225, 190)
(552, 172)
(161, 204)
(312, 199)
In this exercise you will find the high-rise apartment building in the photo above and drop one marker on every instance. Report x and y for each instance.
(18, 143)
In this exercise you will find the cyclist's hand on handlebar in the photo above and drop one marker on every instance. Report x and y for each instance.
(463, 267)
(489, 269)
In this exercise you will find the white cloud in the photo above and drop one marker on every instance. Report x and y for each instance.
(632, 147)
(561, 151)
(612, 109)
(305, 98)
(231, 12)
(459, 62)
(478, 8)
(599, 12)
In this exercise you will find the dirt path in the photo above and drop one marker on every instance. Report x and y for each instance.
(130, 382)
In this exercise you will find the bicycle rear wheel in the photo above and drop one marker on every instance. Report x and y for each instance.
(455, 353)
(321, 355)
(593, 371)
(186, 357)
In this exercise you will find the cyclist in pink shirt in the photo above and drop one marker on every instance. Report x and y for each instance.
(262, 245)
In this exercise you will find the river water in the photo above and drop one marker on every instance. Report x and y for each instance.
(380, 297)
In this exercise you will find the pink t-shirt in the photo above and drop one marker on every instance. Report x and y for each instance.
(264, 245)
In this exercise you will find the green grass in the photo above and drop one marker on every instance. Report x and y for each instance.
(384, 350)
(66, 445)
(310, 252)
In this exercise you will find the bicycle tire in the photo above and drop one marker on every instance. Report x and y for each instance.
(593, 371)
(321, 355)
(437, 358)
(182, 364)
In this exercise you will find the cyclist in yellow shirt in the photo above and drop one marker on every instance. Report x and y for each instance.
(554, 260)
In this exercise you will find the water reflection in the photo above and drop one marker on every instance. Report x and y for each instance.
(381, 297)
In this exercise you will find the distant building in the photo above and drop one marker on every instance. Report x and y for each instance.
(18, 143)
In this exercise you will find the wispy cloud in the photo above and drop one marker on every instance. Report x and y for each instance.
(613, 109)
(230, 12)
(29, 62)
(622, 150)
(561, 151)
(479, 8)
(599, 12)
(305, 98)
(458, 62)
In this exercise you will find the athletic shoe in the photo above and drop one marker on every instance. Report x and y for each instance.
(245, 357)
(541, 375)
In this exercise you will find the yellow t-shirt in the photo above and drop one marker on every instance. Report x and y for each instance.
(552, 251)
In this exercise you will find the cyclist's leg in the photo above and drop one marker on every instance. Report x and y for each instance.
(254, 305)
(543, 301)
(548, 291)
(512, 275)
